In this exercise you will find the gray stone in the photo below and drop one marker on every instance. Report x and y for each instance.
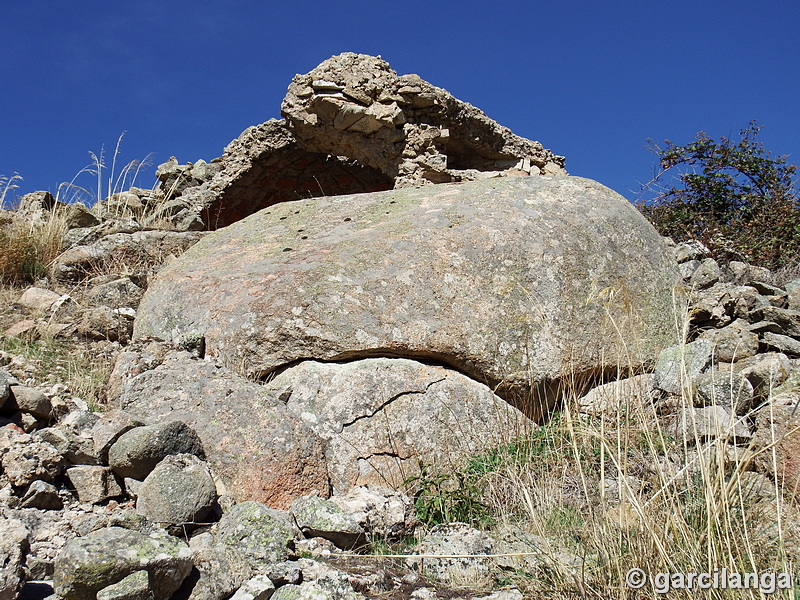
(179, 493)
(14, 545)
(80, 420)
(765, 371)
(787, 320)
(139, 450)
(115, 294)
(38, 299)
(457, 539)
(135, 586)
(41, 495)
(379, 417)
(691, 250)
(317, 517)
(725, 389)
(131, 487)
(5, 388)
(781, 343)
(76, 215)
(106, 556)
(743, 273)
(222, 570)
(106, 323)
(109, 428)
(381, 512)
(264, 535)
(688, 268)
(510, 594)
(430, 273)
(332, 585)
(259, 587)
(144, 249)
(706, 274)
(733, 342)
(678, 365)
(284, 572)
(26, 459)
(94, 484)
(77, 449)
(29, 400)
(778, 430)
(793, 291)
(618, 397)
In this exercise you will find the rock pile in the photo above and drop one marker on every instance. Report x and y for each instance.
(739, 369)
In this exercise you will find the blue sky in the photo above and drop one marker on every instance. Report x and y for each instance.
(591, 80)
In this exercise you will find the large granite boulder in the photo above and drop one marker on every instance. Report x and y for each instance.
(379, 417)
(523, 284)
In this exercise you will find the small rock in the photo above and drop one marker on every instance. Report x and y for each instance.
(284, 572)
(691, 250)
(781, 343)
(454, 539)
(676, 362)
(135, 586)
(38, 299)
(106, 323)
(76, 449)
(706, 275)
(264, 535)
(139, 450)
(733, 342)
(725, 389)
(132, 487)
(5, 388)
(109, 428)
(42, 495)
(711, 422)
(115, 294)
(27, 459)
(259, 587)
(179, 493)
(94, 484)
(80, 420)
(317, 517)
(30, 400)
(381, 512)
(765, 371)
(221, 571)
(787, 320)
(618, 397)
(793, 290)
(14, 544)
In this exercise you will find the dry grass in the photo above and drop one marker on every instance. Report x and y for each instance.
(26, 249)
(627, 490)
(675, 506)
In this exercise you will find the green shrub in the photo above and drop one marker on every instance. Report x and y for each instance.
(732, 195)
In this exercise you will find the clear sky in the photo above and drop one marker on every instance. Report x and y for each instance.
(589, 79)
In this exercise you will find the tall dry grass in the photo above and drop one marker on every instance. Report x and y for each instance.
(27, 249)
(624, 487)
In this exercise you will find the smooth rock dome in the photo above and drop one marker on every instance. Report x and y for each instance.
(526, 284)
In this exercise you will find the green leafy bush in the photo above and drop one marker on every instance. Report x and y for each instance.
(732, 195)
